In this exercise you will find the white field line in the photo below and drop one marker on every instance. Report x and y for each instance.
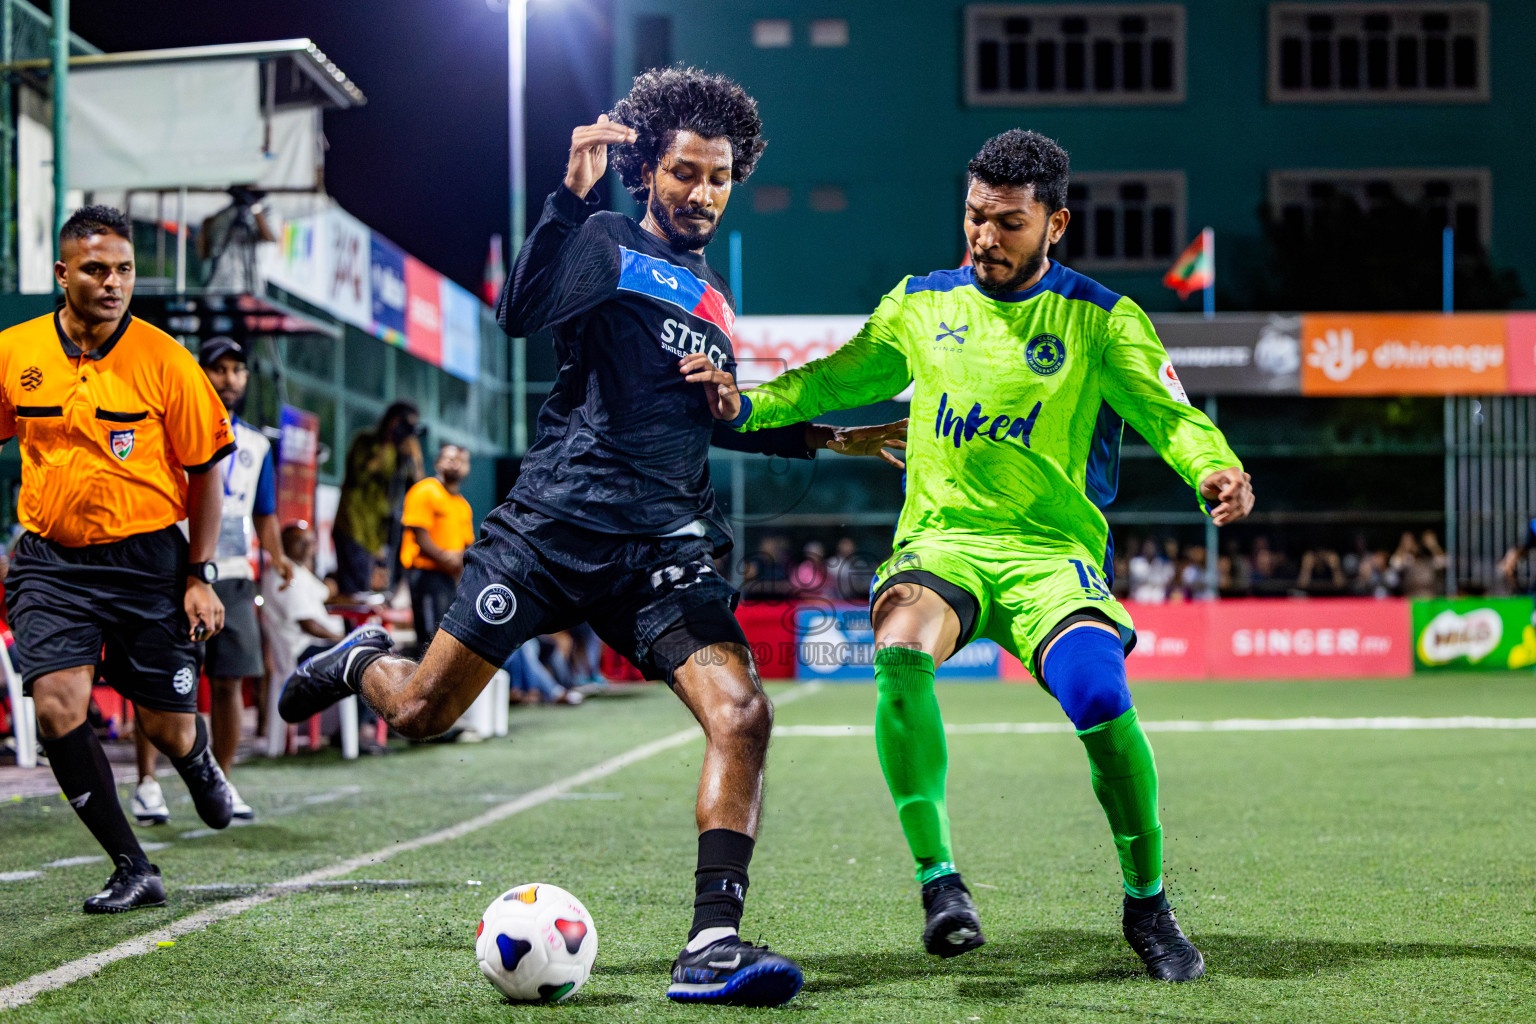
(24, 992)
(1220, 725)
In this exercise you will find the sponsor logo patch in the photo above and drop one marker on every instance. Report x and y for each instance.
(1170, 380)
(496, 605)
(122, 444)
(31, 377)
(184, 679)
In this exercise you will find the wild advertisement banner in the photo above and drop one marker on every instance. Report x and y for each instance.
(1473, 633)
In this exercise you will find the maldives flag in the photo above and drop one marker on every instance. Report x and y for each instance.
(1195, 268)
(495, 273)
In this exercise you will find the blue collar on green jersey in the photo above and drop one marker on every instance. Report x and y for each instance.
(1062, 280)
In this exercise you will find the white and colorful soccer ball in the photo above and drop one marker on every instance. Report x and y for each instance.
(536, 942)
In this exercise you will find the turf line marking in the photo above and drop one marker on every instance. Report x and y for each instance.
(24, 992)
(19, 876)
(1219, 725)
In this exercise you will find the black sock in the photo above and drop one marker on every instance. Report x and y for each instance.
(1147, 904)
(80, 766)
(199, 745)
(353, 676)
(720, 882)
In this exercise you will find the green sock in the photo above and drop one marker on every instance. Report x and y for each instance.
(909, 737)
(1125, 781)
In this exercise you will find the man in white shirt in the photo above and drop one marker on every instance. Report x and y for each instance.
(295, 615)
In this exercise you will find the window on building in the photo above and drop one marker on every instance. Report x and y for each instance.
(1406, 51)
(1047, 54)
(653, 42)
(1123, 221)
(770, 198)
(1460, 198)
(772, 33)
(829, 32)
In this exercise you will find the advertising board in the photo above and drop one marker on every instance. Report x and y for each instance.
(1473, 633)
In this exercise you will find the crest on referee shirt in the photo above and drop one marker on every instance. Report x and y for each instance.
(122, 443)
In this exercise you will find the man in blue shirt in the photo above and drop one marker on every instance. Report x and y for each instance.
(250, 517)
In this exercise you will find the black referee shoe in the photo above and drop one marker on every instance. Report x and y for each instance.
(1159, 941)
(211, 793)
(321, 681)
(953, 925)
(131, 886)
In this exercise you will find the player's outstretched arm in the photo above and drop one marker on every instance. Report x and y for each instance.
(870, 367)
(1140, 385)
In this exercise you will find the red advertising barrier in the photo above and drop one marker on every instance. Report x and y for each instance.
(1320, 638)
(770, 629)
(1323, 638)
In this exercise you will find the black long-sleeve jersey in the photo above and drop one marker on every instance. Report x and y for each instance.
(623, 440)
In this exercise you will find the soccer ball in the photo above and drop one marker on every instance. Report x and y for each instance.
(536, 942)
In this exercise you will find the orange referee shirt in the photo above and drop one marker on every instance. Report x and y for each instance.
(446, 518)
(106, 438)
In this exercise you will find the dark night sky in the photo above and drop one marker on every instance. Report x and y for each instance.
(425, 161)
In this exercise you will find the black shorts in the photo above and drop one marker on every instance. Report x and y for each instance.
(966, 608)
(67, 604)
(234, 652)
(432, 594)
(529, 574)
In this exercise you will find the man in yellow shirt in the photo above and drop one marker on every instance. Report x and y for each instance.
(439, 525)
(118, 429)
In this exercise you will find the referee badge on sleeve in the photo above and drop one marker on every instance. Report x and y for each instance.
(122, 444)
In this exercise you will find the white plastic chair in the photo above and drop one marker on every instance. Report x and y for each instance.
(23, 713)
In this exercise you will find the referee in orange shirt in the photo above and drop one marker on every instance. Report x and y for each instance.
(118, 428)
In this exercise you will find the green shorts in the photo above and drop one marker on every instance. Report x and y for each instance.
(1022, 591)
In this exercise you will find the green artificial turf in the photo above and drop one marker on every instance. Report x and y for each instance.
(1328, 876)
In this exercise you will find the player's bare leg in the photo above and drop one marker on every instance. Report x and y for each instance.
(719, 685)
(422, 701)
(916, 630)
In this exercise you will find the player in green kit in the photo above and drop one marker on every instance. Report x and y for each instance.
(1024, 373)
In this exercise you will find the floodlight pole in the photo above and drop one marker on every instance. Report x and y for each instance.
(517, 78)
(60, 72)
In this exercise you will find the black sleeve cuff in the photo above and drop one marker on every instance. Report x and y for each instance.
(218, 457)
(572, 209)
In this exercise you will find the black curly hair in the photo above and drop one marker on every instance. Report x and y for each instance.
(1019, 157)
(665, 101)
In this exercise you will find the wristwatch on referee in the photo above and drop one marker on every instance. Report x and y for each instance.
(207, 572)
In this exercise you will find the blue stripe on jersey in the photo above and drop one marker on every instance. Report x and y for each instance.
(1103, 476)
(659, 279)
(940, 281)
(1062, 280)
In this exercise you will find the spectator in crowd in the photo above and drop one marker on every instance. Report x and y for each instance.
(766, 574)
(849, 571)
(1235, 571)
(1151, 574)
(382, 464)
(1419, 564)
(1191, 575)
(227, 243)
(438, 525)
(249, 517)
(1509, 565)
(532, 680)
(810, 578)
(1322, 572)
(293, 611)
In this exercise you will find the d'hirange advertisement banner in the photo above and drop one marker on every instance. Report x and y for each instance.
(1473, 633)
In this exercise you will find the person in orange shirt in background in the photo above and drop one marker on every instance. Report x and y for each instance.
(118, 429)
(439, 525)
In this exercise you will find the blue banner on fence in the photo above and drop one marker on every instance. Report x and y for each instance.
(837, 644)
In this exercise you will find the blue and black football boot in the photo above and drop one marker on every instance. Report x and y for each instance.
(321, 681)
(733, 972)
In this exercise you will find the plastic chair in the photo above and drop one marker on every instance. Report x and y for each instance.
(23, 712)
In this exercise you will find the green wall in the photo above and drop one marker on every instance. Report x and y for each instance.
(884, 117)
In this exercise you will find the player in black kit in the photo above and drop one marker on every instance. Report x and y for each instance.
(613, 519)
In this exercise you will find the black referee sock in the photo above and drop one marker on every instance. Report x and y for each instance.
(81, 768)
(720, 882)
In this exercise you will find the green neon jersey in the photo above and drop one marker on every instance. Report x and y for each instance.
(1018, 403)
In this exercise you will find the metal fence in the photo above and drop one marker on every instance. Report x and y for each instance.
(1490, 486)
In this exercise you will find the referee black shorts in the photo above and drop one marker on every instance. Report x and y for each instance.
(655, 600)
(116, 605)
